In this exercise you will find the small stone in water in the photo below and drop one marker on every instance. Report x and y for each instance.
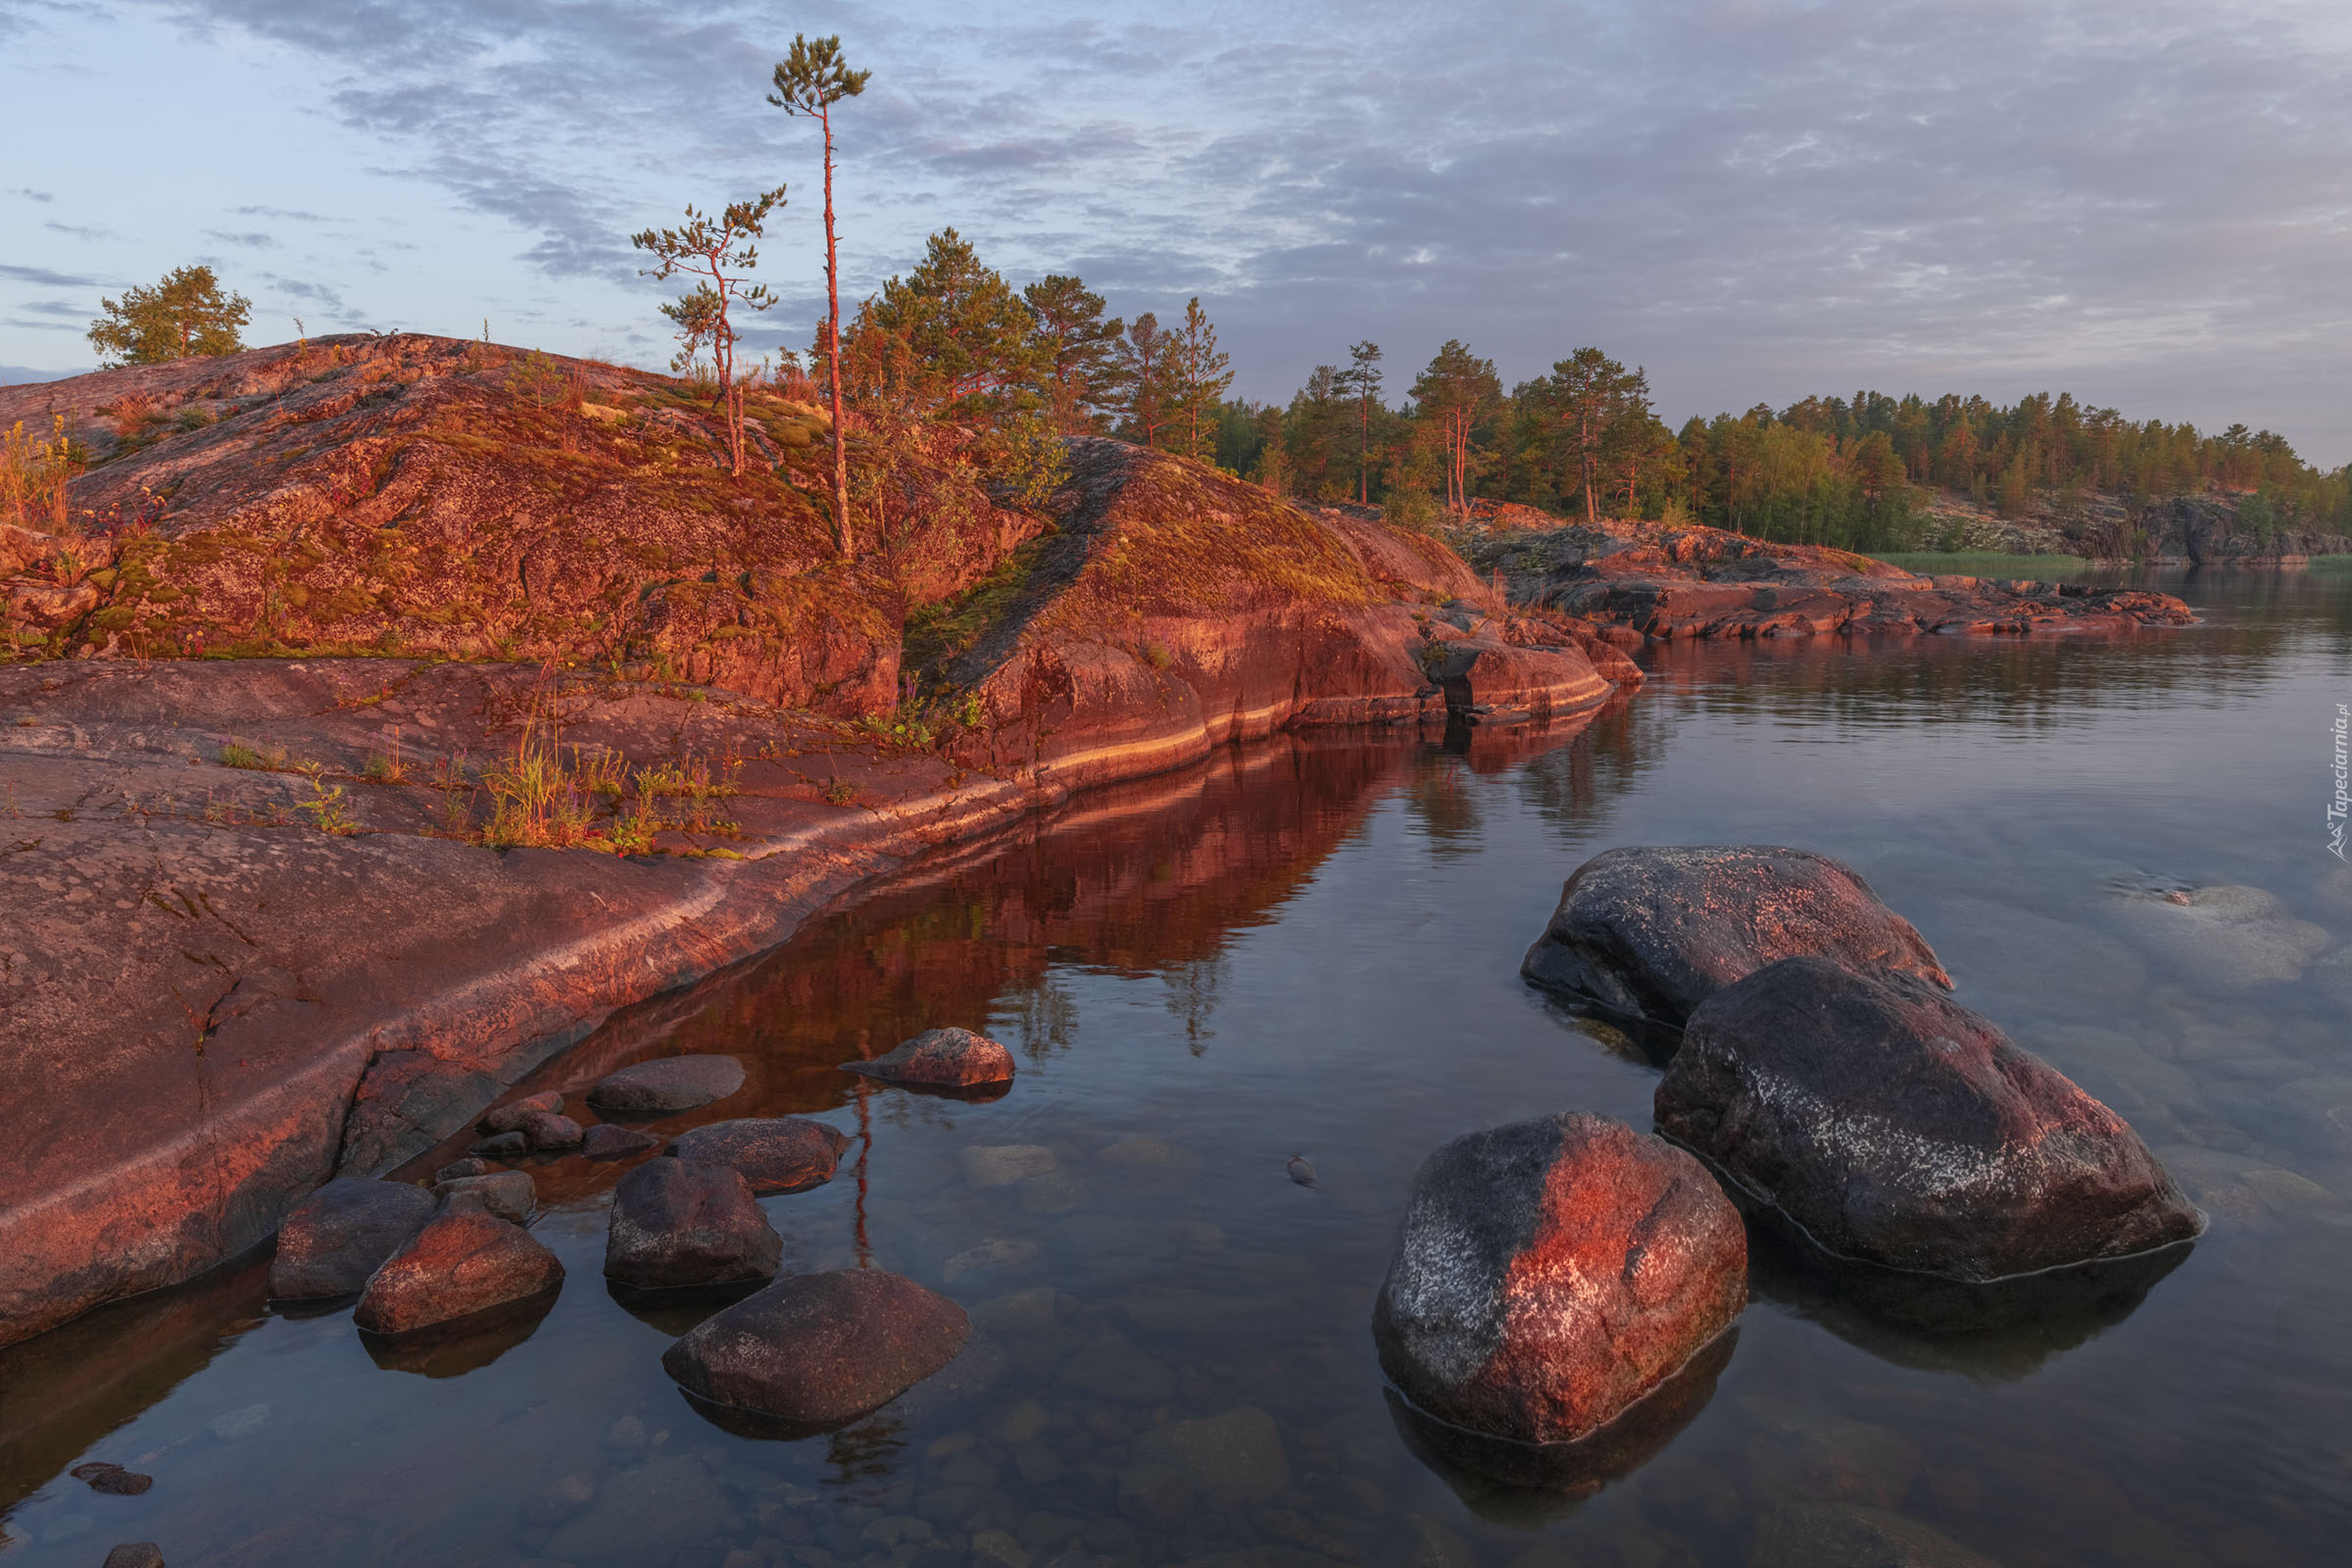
(459, 1169)
(1002, 1164)
(995, 1548)
(239, 1424)
(1057, 1192)
(991, 1257)
(561, 1500)
(953, 1444)
(1023, 1422)
(608, 1142)
(511, 1194)
(516, 1114)
(135, 1554)
(626, 1435)
(121, 1483)
(504, 1146)
(1135, 1151)
(1300, 1171)
(551, 1132)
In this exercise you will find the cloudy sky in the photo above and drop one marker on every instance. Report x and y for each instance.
(2145, 201)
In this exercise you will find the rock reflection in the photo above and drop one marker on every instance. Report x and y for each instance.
(1999, 1331)
(463, 1345)
(1527, 1484)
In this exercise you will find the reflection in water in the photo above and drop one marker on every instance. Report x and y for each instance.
(1313, 945)
(465, 1345)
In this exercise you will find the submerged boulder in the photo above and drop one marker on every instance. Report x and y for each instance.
(676, 1222)
(340, 1233)
(1552, 1272)
(1651, 933)
(666, 1084)
(951, 1058)
(1888, 1125)
(815, 1350)
(466, 1261)
(604, 1141)
(511, 1194)
(514, 1116)
(774, 1153)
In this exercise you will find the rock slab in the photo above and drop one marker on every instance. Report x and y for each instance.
(950, 1058)
(819, 1349)
(1552, 1272)
(340, 1235)
(666, 1084)
(466, 1261)
(774, 1153)
(1891, 1126)
(679, 1223)
(1650, 933)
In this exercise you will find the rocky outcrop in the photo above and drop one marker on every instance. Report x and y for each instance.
(666, 1084)
(430, 497)
(818, 1351)
(1887, 1124)
(339, 1235)
(774, 1153)
(1647, 934)
(1553, 1272)
(1173, 609)
(466, 1263)
(1660, 581)
(677, 1223)
(948, 1059)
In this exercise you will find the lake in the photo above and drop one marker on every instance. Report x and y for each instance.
(1310, 947)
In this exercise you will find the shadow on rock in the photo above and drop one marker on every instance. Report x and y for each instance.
(1525, 1485)
(679, 1308)
(1999, 1329)
(461, 1345)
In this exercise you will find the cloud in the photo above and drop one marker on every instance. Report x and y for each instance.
(252, 239)
(46, 279)
(2147, 200)
(291, 214)
(31, 195)
(79, 231)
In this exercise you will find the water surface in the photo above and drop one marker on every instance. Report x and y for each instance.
(1312, 948)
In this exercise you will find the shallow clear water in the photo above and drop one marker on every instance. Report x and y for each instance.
(1312, 948)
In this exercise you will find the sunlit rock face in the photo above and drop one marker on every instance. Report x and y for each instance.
(1891, 1126)
(1552, 1272)
(466, 1261)
(1650, 933)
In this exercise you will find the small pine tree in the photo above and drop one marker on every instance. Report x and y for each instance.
(184, 315)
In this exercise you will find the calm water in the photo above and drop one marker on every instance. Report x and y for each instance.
(1312, 949)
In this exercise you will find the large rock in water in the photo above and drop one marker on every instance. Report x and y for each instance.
(666, 1084)
(815, 1350)
(1552, 1272)
(1650, 933)
(949, 1058)
(1891, 1126)
(676, 1222)
(774, 1153)
(466, 1261)
(340, 1233)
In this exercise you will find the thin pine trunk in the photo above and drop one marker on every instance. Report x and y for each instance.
(841, 454)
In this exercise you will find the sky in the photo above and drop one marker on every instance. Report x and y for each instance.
(2147, 203)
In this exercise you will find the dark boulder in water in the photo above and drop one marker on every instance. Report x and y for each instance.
(666, 1084)
(775, 1153)
(1887, 1124)
(1552, 1272)
(607, 1142)
(466, 1261)
(950, 1058)
(340, 1233)
(516, 1114)
(813, 1351)
(1648, 934)
(679, 1223)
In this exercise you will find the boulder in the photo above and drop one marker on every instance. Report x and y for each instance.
(2223, 939)
(502, 1146)
(470, 1165)
(607, 1142)
(676, 1222)
(1887, 1124)
(816, 1351)
(511, 1194)
(774, 1153)
(135, 1554)
(339, 1235)
(511, 1116)
(466, 1261)
(1648, 934)
(1235, 1459)
(1552, 1272)
(551, 1132)
(950, 1058)
(667, 1084)
(651, 1513)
